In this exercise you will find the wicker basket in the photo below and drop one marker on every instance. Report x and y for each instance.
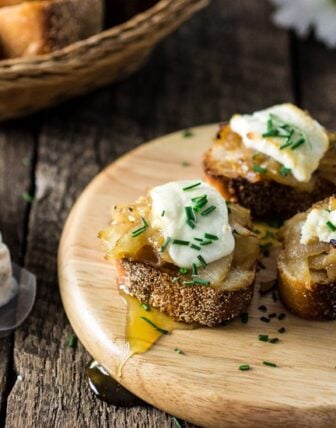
(28, 85)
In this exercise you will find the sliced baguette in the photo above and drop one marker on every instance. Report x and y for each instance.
(39, 27)
(307, 273)
(228, 166)
(207, 306)
(148, 274)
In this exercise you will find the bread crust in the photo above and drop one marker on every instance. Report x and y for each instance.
(39, 27)
(206, 306)
(315, 303)
(266, 198)
(312, 296)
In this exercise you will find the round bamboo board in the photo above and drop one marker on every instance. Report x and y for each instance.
(205, 385)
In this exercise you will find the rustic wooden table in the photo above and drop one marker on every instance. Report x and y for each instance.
(228, 58)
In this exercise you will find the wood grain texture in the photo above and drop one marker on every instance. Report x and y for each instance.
(16, 153)
(210, 389)
(208, 69)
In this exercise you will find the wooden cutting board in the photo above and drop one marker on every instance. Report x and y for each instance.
(204, 385)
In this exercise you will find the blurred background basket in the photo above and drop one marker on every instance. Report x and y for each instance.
(30, 84)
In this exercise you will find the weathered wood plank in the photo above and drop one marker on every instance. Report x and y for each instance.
(317, 80)
(16, 152)
(226, 59)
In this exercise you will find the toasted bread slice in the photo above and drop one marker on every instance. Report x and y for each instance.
(307, 272)
(39, 27)
(149, 274)
(207, 306)
(228, 166)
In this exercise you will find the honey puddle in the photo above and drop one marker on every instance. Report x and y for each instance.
(140, 334)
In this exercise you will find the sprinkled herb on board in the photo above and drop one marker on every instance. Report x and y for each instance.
(244, 367)
(263, 337)
(262, 308)
(187, 133)
(160, 330)
(145, 307)
(179, 351)
(274, 340)
(269, 364)
(282, 330)
(264, 319)
(185, 163)
(281, 316)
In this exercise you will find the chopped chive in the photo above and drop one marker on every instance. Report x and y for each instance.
(268, 363)
(187, 133)
(208, 210)
(274, 340)
(298, 144)
(185, 163)
(175, 279)
(260, 169)
(72, 342)
(180, 242)
(163, 213)
(281, 316)
(160, 330)
(138, 232)
(177, 422)
(194, 270)
(198, 239)
(331, 226)
(282, 330)
(190, 213)
(188, 283)
(244, 317)
(165, 245)
(190, 224)
(203, 262)
(274, 296)
(273, 133)
(287, 144)
(195, 247)
(192, 186)
(178, 351)
(210, 236)
(284, 171)
(206, 242)
(262, 308)
(200, 204)
(183, 270)
(264, 319)
(144, 222)
(272, 315)
(201, 281)
(27, 197)
(244, 367)
(199, 198)
(145, 306)
(263, 337)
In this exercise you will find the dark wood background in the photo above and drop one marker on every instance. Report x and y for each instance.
(228, 58)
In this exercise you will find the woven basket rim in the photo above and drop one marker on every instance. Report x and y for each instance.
(135, 24)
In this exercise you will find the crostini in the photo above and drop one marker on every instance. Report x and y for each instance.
(307, 262)
(277, 161)
(185, 251)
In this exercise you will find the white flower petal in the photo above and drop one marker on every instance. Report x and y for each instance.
(304, 15)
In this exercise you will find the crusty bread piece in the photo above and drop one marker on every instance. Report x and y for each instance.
(148, 274)
(38, 27)
(228, 167)
(207, 306)
(307, 273)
